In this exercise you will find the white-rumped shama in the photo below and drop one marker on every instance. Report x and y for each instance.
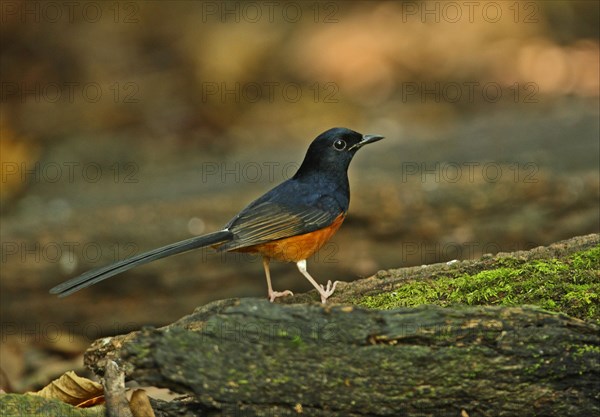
(289, 223)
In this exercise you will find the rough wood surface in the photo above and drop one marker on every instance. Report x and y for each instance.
(114, 391)
(252, 358)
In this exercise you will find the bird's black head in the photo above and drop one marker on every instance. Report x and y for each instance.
(333, 150)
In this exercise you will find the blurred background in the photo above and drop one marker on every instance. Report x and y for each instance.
(129, 125)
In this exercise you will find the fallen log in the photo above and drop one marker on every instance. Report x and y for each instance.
(248, 357)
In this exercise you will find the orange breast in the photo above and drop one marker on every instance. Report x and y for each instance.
(296, 248)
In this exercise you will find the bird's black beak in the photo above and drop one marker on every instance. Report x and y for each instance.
(366, 139)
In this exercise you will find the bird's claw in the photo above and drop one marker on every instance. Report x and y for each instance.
(327, 291)
(276, 294)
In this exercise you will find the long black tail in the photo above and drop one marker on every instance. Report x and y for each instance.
(96, 275)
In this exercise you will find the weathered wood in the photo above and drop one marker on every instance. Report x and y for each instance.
(114, 391)
(248, 357)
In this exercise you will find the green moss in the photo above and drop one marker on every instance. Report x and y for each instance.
(570, 286)
(587, 349)
(26, 405)
(297, 342)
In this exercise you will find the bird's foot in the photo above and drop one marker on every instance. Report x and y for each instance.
(327, 291)
(276, 294)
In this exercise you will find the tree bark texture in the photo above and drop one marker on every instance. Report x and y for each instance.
(248, 357)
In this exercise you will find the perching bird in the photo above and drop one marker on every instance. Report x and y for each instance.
(289, 223)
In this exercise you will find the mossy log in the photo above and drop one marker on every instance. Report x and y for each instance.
(248, 357)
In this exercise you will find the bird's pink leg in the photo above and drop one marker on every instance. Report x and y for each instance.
(273, 294)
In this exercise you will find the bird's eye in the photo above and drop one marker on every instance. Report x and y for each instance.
(339, 145)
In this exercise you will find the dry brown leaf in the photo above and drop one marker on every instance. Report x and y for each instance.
(140, 404)
(71, 389)
(92, 402)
